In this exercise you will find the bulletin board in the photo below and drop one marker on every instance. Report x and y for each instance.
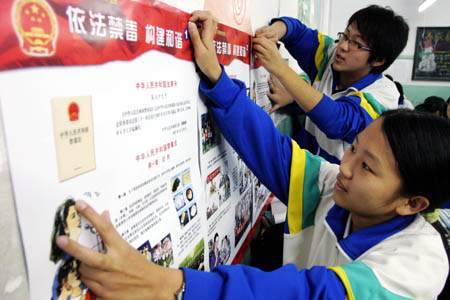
(100, 102)
(432, 54)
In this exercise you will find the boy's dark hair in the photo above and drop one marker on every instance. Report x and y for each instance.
(384, 32)
(432, 105)
(420, 144)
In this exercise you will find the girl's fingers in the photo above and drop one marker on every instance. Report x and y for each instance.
(86, 255)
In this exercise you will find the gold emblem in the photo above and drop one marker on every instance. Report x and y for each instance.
(35, 25)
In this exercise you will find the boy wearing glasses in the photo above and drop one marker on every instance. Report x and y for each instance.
(348, 88)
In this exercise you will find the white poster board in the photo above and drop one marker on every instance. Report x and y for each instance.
(100, 102)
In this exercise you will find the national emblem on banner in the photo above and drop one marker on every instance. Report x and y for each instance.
(73, 110)
(36, 27)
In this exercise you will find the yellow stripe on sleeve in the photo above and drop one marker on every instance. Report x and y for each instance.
(319, 54)
(295, 207)
(366, 105)
(341, 274)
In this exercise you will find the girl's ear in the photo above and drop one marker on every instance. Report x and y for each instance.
(413, 205)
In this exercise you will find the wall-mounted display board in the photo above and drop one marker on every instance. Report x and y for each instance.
(100, 102)
(432, 54)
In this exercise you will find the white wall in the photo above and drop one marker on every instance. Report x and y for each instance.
(436, 15)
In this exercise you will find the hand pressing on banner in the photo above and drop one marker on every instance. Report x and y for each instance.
(202, 27)
(267, 53)
(122, 272)
(278, 94)
(274, 32)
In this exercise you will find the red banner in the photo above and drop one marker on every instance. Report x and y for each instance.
(76, 32)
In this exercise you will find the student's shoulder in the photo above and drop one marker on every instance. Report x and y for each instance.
(384, 92)
(414, 254)
(419, 238)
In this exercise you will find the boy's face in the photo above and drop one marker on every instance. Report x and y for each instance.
(351, 61)
(369, 182)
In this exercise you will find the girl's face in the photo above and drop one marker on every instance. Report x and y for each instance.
(369, 182)
(73, 223)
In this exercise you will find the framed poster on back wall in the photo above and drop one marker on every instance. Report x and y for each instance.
(432, 54)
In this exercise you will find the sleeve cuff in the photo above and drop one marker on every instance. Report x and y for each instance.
(202, 285)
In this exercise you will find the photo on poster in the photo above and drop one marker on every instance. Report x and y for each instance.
(225, 250)
(162, 252)
(67, 221)
(214, 252)
(245, 176)
(196, 258)
(176, 184)
(183, 217)
(193, 211)
(243, 216)
(219, 249)
(146, 250)
(261, 193)
(178, 200)
(210, 133)
(183, 197)
(74, 136)
(218, 188)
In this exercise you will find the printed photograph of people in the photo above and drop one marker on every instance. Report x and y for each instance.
(219, 250)
(243, 216)
(67, 284)
(162, 253)
(225, 250)
(210, 133)
(261, 193)
(145, 250)
(245, 176)
(218, 184)
(214, 252)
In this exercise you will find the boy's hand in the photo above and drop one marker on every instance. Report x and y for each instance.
(278, 94)
(274, 32)
(122, 272)
(202, 28)
(267, 52)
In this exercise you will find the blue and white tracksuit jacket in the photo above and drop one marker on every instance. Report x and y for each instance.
(340, 115)
(403, 258)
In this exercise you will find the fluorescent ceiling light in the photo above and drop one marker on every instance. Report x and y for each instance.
(425, 4)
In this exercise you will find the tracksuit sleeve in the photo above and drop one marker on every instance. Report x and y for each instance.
(346, 116)
(245, 282)
(252, 134)
(308, 47)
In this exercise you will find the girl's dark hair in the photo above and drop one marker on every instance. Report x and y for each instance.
(384, 32)
(59, 227)
(421, 147)
(66, 268)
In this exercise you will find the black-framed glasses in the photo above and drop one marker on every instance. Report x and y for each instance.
(352, 45)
